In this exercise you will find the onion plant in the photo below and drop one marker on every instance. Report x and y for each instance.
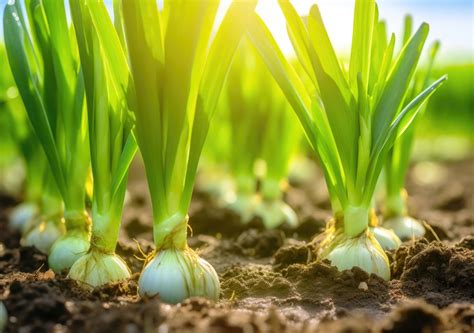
(259, 117)
(395, 210)
(39, 216)
(11, 121)
(44, 229)
(112, 145)
(179, 71)
(280, 140)
(34, 162)
(13, 130)
(246, 118)
(351, 117)
(43, 56)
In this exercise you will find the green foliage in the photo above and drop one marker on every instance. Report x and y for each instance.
(263, 126)
(353, 120)
(112, 145)
(399, 156)
(13, 126)
(246, 106)
(263, 137)
(44, 61)
(179, 72)
(17, 139)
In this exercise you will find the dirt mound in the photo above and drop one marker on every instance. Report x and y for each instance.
(270, 280)
(254, 281)
(435, 271)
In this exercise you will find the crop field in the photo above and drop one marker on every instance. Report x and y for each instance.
(230, 166)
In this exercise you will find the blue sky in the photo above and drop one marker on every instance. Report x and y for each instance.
(451, 21)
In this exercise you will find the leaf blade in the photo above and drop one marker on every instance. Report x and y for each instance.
(396, 129)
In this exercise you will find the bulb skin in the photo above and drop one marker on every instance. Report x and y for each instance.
(362, 251)
(43, 234)
(386, 238)
(97, 268)
(405, 227)
(22, 214)
(276, 213)
(176, 275)
(66, 250)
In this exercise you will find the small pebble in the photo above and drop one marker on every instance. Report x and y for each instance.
(49, 275)
(363, 286)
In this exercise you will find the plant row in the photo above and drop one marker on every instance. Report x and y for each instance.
(97, 88)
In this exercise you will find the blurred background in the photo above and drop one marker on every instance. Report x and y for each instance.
(447, 130)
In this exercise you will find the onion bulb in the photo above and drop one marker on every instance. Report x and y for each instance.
(67, 249)
(98, 268)
(386, 238)
(43, 233)
(405, 227)
(362, 251)
(22, 214)
(176, 274)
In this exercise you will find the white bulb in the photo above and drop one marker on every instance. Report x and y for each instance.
(405, 227)
(175, 275)
(43, 235)
(66, 250)
(362, 251)
(97, 268)
(21, 214)
(386, 238)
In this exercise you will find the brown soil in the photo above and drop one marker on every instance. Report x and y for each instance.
(270, 280)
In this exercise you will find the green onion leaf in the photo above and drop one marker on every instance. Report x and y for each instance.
(395, 89)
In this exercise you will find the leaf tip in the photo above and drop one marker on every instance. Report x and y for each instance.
(425, 27)
(315, 12)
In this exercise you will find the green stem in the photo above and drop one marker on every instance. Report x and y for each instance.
(51, 201)
(35, 180)
(396, 204)
(75, 214)
(105, 230)
(106, 223)
(77, 221)
(51, 205)
(356, 220)
(336, 206)
(171, 232)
